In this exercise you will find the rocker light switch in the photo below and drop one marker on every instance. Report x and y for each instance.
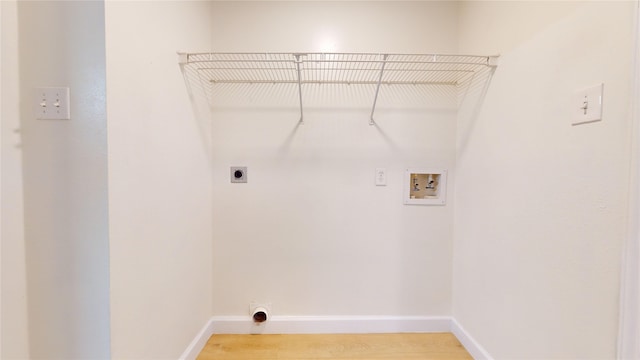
(587, 105)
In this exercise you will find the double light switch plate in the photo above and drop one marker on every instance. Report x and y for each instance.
(52, 103)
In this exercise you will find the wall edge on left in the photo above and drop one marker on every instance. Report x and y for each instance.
(198, 343)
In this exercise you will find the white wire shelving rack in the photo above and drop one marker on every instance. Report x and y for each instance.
(336, 68)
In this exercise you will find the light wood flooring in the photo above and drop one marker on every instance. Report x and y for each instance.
(334, 346)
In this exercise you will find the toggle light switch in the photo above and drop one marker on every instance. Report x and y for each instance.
(587, 105)
(52, 103)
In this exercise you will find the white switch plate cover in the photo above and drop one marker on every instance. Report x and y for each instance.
(381, 177)
(592, 98)
(52, 103)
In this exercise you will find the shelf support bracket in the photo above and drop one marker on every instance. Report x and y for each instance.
(492, 61)
(183, 58)
(298, 63)
(375, 98)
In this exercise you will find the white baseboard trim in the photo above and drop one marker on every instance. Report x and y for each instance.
(469, 343)
(331, 324)
(198, 343)
(334, 325)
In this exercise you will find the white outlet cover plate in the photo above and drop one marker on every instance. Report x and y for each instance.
(381, 177)
(52, 103)
(242, 170)
(593, 97)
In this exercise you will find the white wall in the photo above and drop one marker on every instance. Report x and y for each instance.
(540, 204)
(60, 168)
(159, 180)
(14, 336)
(309, 232)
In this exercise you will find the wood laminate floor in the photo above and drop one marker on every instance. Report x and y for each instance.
(334, 346)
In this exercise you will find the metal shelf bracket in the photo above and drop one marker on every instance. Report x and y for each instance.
(375, 98)
(298, 63)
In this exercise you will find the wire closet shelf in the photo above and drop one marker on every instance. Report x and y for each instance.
(336, 68)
